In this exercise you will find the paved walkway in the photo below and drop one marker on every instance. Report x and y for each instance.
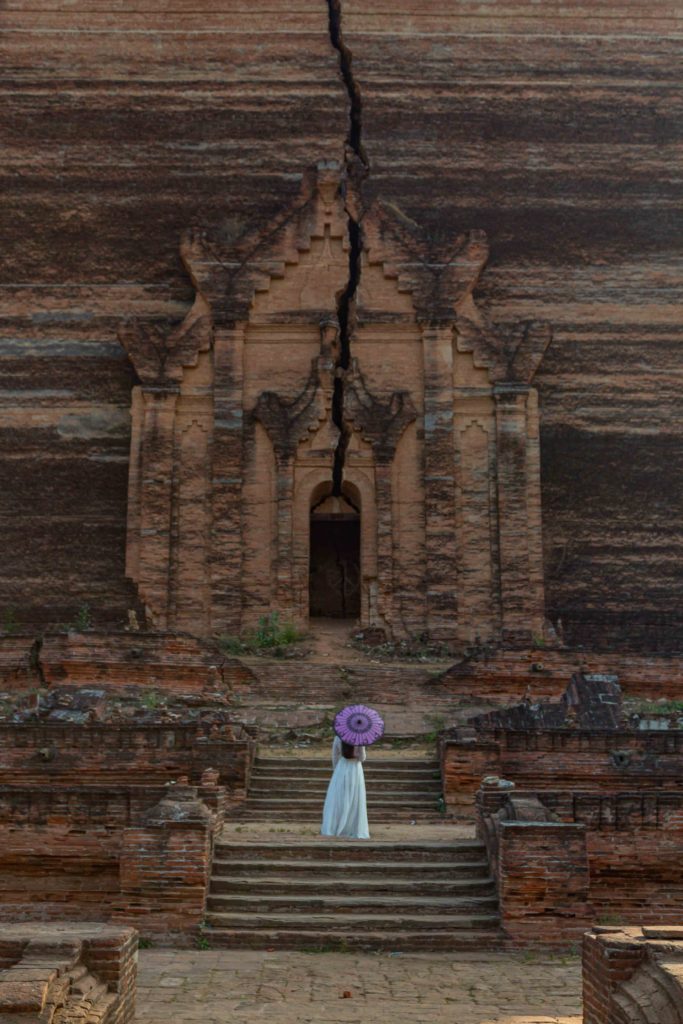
(217, 987)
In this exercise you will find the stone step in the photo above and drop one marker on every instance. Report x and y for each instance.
(396, 799)
(350, 850)
(304, 765)
(412, 871)
(329, 940)
(398, 921)
(259, 786)
(319, 774)
(386, 904)
(384, 816)
(314, 885)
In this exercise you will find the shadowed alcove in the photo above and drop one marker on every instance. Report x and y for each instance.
(334, 564)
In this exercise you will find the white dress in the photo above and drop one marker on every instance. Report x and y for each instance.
(345, 812)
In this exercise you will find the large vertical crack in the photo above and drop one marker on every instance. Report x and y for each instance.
(356, 169)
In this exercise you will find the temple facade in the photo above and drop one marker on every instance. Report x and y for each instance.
(386, 471)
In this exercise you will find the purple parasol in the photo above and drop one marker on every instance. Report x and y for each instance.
(358, 725)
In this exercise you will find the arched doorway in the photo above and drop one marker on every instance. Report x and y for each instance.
(334, 560)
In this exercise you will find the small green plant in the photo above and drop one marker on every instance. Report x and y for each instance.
(144, 943)
(83, 618)
(269, 637)
(9, 620)
(656, 707)
(151, 699)
(340, 946)
(437, 724)
(441, 805)
(203, 942)
(539, 642)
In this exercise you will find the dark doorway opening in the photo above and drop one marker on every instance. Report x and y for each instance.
(334, 567)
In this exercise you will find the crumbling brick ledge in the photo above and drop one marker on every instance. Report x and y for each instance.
(69, 972)
(633, 975)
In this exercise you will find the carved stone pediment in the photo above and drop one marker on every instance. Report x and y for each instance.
(512, 356)
(380, 423)
(227, 271)
(441, 278)
(159, 356)
(290, 421)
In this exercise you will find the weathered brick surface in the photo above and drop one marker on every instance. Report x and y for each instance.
(68, 971)
(138, 855)
(625, 848)
(632, 975)
(564, 759)
(109, 754)
(473, 118)
(544, 125)
(543, 882)
(170, 662)
(165, 865)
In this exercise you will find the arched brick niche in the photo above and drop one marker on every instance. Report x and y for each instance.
(234, 435)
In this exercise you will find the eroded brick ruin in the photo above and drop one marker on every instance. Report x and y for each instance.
(353, 316)
(235, 447)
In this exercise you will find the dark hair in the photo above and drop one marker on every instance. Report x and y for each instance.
(348, 750)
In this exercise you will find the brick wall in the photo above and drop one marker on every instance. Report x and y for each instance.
(563, 758)
(40, 963)
(543, 882)
(611, 856)
(631, 968)
(136, 856)
(505, 676)
(118, 658)
(51, 753)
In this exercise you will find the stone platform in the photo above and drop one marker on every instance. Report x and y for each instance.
(213, 986)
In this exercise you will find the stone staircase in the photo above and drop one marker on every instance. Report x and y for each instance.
(293, 789)
(336, 894)
(292, 697)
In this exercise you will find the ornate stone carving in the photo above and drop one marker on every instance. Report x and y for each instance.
(238, 422)
(380, 423)
(513, 356)
(440, 276)
(158, 356)
(288, 423)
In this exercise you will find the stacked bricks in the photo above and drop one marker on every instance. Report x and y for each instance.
(633, 974)
(128, 854)
(76, 971)
(165, 865)
(605, 760)
(621, 853)
(112, 754)
(543, 882)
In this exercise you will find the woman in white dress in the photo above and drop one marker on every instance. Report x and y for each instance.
(345, 812)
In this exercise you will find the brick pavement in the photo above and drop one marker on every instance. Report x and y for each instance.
(212, 987)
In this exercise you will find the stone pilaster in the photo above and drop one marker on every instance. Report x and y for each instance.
(227, 469)
(439, 479)
(156, 500)
(519, 587)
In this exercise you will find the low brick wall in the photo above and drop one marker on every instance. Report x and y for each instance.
(505, 676)
(168, 661)
(633, 974)
(543, 881)
(110, 754)
(76, 972)
(562, 759)
(613, 856)
(136, 855)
